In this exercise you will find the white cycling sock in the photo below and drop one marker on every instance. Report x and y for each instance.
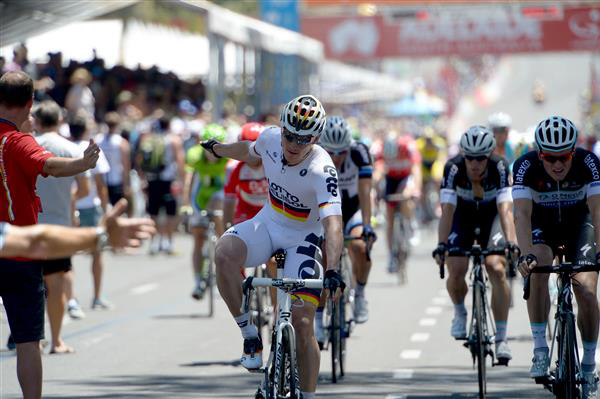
(460, 310)
(199, 279)
(72, 303)
(588, 362)
(360, 289)
(249, 330)
(538, 330)
(500, 331)
(308, 395)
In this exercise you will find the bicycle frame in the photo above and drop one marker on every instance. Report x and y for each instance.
(565, 318)
(285, 288)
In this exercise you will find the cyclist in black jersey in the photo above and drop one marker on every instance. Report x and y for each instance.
(557, 203)
(355, 170)
(475, 193)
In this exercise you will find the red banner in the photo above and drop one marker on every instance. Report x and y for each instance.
(464, 34)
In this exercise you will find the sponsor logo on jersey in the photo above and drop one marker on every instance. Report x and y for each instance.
(287, 204)
(566, 198)
(502, 172)
(272, 156)
(303, 172)
(520, 175)
(589, 162)
(585, 249)
(451, 176)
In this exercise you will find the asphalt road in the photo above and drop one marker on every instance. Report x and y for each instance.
(158, 342)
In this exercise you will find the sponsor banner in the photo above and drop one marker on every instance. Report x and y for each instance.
(465, 34)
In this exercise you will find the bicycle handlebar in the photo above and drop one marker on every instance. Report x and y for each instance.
(287, 284)
(562, 268)
(474, 251)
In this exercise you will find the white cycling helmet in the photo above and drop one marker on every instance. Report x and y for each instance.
(477, 141)
(499, 120)
(555, 134)
(336, 135)
(304, 115)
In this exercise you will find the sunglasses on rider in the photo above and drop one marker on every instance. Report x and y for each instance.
(478, 158)
(337, 153)
(299, 139)
(555, 158)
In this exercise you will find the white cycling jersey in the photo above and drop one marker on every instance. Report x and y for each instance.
(300, 195)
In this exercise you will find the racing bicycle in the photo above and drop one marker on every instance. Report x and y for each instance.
(281, 370)
(566, 379)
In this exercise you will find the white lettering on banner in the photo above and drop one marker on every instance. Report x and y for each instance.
(589, 162)
(586, 24)
(351, 34)
(521, 171)
(470, 28)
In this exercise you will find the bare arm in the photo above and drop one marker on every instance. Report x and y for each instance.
(126, 160)
(522, 211)
(334, 240)
(187, 187)
(240, 151)
(83, 187)
(594, 206)
(52, 242)
(445, 224)
(364, 197)
(62, 167)
(505, 210)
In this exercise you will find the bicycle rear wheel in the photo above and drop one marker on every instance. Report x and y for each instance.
(480, 350)
(566, 382)
(286, 383)
(344, 331)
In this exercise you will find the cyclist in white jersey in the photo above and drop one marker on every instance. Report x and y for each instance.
(303, 203)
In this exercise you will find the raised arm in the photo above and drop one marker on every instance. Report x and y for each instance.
(242, 151)
(61, 167)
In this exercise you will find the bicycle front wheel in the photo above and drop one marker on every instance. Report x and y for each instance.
(566, 384)
(335, 338)
(286, 382)
(480, 352)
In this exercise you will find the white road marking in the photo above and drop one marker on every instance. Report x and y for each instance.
(419, 337)
(438, 300)
(410, 354)
(97, 339)
(143, 289)
(427, 322)
(403, 374)
(433, 310)
(396, 397)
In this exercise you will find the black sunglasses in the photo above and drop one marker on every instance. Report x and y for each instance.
(299, 139)
(478, 158)
(334, 153)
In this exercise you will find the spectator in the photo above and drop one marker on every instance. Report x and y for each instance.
(80, 96)
(57, 198)
(161, 162)
(118, 153)
(21, 282)
(91, 208)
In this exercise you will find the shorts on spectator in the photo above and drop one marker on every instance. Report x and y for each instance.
(55, 265)
(160, 196)
(115, 193)
(23, 294)
(89, 217)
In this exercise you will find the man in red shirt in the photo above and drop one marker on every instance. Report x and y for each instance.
(21, 161)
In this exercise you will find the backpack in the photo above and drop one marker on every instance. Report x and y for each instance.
(152, 150)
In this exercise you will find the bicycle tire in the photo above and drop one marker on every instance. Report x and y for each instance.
(286, 383)
(344, 325)
(211, 279)
(480, 352)
(567, 374)
(335, 340)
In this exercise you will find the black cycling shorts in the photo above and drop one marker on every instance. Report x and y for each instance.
(577, 237)
(160, 196)
(23, 294)
(462, 235)
(394, 185)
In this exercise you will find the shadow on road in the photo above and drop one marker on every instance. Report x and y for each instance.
(451, 382)
(181, 316)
